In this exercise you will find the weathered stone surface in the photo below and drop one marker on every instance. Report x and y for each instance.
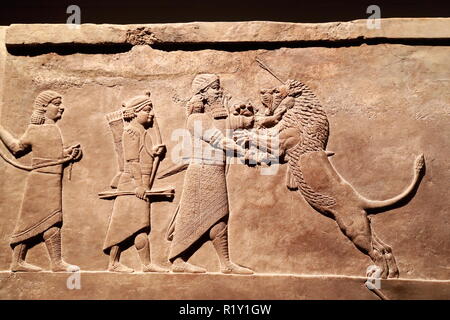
(53, 286)
(210, 32)
(386, 104)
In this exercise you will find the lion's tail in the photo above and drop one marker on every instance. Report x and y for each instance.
(418, 167)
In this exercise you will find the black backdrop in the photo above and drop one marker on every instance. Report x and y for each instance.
(160, 11)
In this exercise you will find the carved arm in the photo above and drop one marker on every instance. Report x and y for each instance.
(265, 142)
(219, 141)
(14, 145)
(131, 143)
(137, 176)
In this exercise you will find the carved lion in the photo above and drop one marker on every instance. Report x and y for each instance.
(301, 137)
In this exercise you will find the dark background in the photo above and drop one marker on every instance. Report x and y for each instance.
(160, 11)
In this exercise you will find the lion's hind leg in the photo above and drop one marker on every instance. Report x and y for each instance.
(356, 227)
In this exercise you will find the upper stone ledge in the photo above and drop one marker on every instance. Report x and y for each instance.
(225, 32)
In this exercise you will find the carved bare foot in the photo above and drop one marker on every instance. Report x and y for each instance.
(118, 267)
(63, 266)
(18, 260)
(182, 266)
(234, 268)
(24, 267)
(153, 268)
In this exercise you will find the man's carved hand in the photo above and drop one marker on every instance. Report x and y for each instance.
(243, 137)
(229, 144)
(281, 110)
(74, 152)
(214, 138)
(140, 192)
(159, 150)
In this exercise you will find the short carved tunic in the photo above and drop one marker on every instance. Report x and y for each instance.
(41, 206)
(130, 214)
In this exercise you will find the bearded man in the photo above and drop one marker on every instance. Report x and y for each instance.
(40, 216)
(204, 210)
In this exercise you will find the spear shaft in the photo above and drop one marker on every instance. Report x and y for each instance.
(265, 67)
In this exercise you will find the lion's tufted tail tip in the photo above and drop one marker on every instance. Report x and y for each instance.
(418, 167)
(420, 163)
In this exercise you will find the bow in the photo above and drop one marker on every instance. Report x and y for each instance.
(158, 159)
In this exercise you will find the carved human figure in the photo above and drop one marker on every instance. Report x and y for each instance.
(130, 220)
(203, 211)
(41, 215)
(302, 138)
(271, 111)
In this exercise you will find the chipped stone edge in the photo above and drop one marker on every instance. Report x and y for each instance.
(225, 32)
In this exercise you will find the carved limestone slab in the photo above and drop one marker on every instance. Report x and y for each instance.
(240, 160)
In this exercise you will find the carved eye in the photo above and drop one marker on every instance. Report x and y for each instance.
(147, 108)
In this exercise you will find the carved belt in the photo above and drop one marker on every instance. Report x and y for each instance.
(209, 162)
(145, 169)
(45, 165)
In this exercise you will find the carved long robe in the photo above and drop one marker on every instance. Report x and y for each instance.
(130, 214)
(41, 206)
(204, 199)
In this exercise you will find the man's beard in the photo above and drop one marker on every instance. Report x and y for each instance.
(267, 101)
(275, 103)
(214, 101)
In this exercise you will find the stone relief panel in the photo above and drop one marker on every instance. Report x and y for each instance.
(225, 165)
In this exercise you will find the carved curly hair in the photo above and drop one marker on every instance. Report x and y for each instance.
(295, 88)
(40, 105)
(128, 114)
